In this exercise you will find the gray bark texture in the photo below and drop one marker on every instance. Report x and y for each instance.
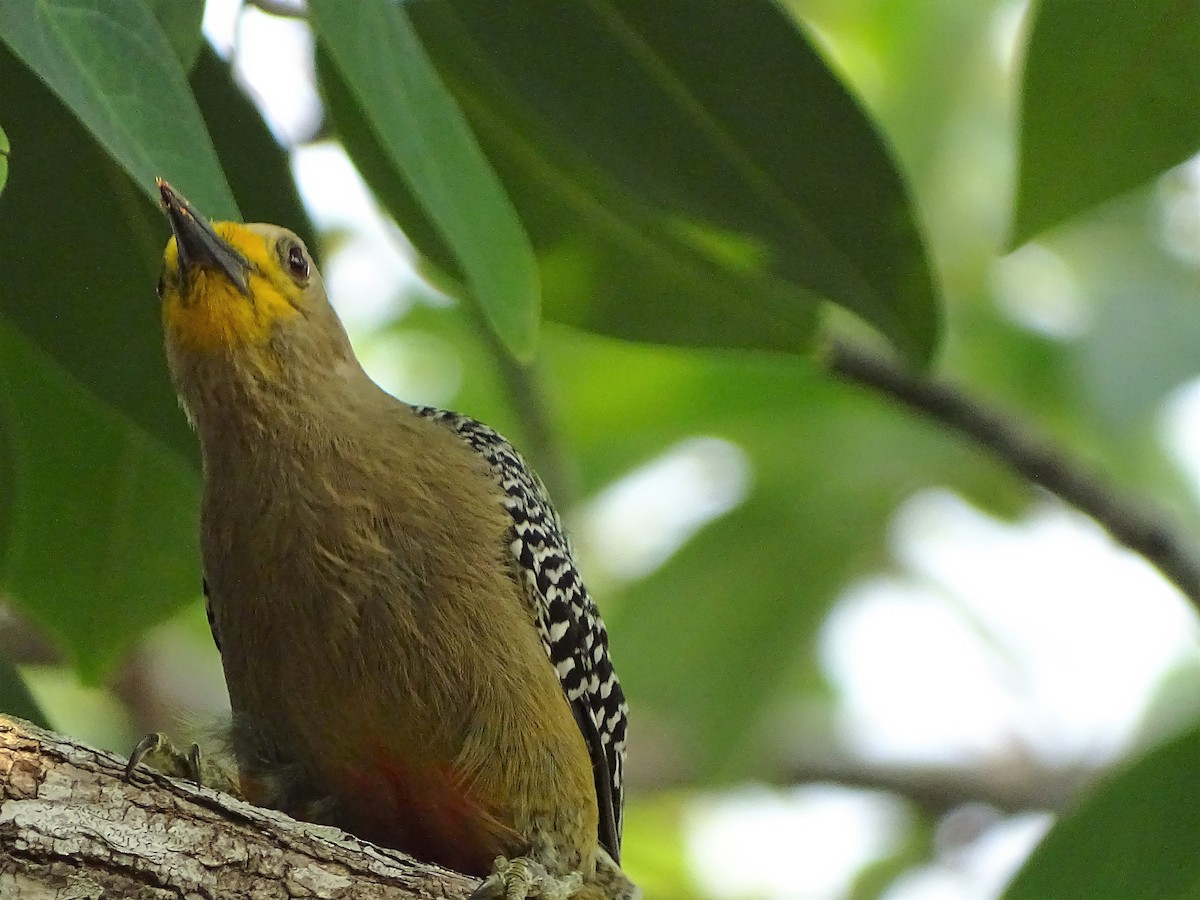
(72, 827)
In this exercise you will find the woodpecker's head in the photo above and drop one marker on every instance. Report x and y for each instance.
(243, 301)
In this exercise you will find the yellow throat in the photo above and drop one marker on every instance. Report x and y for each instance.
(225, 285)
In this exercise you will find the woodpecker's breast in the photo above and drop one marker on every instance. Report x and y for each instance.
(373, 633)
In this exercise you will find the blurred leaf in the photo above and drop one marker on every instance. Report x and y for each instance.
(690, 173)
(4, 151)
(100, 536)
(373, 160)
(1138, 349)
(15, 699)
(79, 255)
(1110, 100)
(88, 712)
(112, 66)
(743, 600)
(257, 167)
(655, 845)
(609, 262)
(1135, 836)
(428, 142)
(180, 21)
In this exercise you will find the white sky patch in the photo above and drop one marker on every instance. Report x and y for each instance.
(284, 81)
(273, 59)
(1036, 287)
(370, 274)
(916, 682)
(1179, 211)
(1042, 632)
(220, 24)
(809, 841)
(636, 524)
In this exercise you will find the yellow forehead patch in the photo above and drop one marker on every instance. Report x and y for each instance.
(207, 312)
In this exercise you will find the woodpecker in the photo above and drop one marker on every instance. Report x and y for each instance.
(409, 650)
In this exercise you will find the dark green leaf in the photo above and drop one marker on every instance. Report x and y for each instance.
(428, 142)
(99, 538)
(79, 255)
(1110, 99)
(689, 172)
(112, 66)
(180, 21)
(4, 151)
(15, 699)
(1133, 837)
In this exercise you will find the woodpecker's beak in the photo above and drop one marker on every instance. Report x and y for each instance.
(199, 245)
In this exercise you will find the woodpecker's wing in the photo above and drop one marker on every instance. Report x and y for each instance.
(570, 626)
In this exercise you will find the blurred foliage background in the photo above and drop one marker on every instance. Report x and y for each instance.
(639, 225)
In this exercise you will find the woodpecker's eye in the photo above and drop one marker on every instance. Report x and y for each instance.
(297, 262)
(162, 284)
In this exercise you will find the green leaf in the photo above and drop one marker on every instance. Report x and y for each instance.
(99, 536)
(80, 251)
(656, 844)
(4, 151)
(689, 172)
(113, 67)
(430, 144)
(15, 698)
(1135, 836)
(180, 21)
(1110, 99)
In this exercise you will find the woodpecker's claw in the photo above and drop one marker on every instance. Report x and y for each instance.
(157, 751)
(521, 878)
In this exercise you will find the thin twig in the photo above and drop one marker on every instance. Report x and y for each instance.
(1011, 786)
(1146, 531)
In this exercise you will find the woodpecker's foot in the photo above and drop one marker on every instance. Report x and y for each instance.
(522, 878)
(157, 751)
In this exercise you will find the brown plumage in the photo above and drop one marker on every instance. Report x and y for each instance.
(384, 666)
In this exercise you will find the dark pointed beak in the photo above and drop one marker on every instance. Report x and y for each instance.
(199, 245)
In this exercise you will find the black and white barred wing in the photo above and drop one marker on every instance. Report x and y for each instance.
(569, 624)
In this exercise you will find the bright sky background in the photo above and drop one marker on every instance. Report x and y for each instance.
(997, 604)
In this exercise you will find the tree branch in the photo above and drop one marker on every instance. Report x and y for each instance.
(70, 824)
(1009, 786)
(1147, 532)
